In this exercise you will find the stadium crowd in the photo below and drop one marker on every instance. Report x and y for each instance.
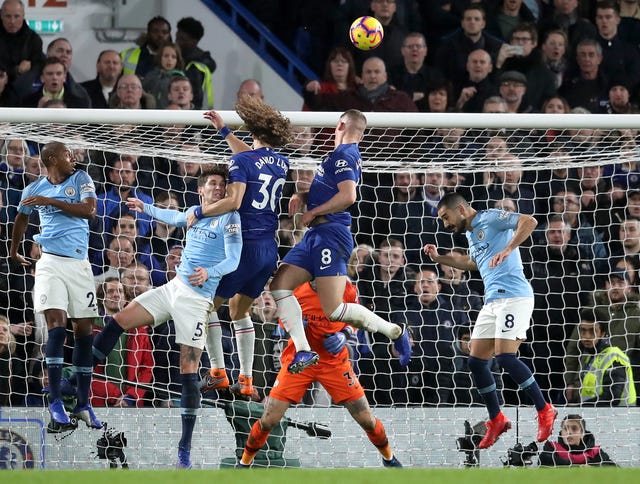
(509, 56)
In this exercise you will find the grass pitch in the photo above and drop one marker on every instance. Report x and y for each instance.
(578, 475)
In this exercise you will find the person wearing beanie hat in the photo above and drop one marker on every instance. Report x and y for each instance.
(619, 101)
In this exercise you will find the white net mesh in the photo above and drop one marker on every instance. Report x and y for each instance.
(579, 180)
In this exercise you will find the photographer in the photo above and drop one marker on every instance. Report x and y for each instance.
(575, 446)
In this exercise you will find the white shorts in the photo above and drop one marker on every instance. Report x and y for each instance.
(189, 310)
(505, 318)
(65, 283)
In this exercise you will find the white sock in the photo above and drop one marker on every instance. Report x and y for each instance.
(245, 339)
(214, 342)
(361, 317)
(291, 317)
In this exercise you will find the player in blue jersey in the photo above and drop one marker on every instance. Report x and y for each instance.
(325, 249)
(494, 237)
(64, 287)
(256, 178)
(212, 249)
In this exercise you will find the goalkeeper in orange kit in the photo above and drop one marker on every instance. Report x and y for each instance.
(334, 372)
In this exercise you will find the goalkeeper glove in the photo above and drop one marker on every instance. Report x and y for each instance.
(364, 347)
(334, 342)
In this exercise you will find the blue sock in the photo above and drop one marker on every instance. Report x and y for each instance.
(83, 369)
(485, 383)
(190, 402)
(54, 357)
(106, 339)
(522, 375)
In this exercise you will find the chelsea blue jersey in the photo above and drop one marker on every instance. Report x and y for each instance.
(264, 173)
(491, 232)
(61, 233)
(343, 163)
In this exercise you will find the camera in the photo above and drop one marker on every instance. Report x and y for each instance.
(469, 443)
(111, 447)
(521, 456)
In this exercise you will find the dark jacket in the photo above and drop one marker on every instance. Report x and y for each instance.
(25, 44)
(94, 90)
(587, 453)
(390, 101)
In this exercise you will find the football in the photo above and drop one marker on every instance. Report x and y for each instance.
(366, 33)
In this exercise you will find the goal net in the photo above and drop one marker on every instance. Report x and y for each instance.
(578, 175)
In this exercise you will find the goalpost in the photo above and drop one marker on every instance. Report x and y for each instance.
(584, 168)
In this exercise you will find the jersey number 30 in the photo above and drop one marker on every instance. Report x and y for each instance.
(268, 196)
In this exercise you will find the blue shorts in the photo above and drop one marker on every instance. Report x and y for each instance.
(323, 251)
(258, 260)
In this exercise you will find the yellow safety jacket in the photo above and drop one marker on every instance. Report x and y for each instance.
(592, 381)
(207, 83)
(130, 57)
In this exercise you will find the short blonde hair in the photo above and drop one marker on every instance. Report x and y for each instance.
(11, 344)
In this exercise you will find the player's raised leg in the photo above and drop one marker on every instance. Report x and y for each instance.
(287, 278)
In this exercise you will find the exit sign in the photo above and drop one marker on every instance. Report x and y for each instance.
(46, 26)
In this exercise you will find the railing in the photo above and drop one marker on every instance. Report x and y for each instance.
(280, 58)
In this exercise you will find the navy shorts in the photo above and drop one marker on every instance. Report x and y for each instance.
(323, 251)
(257, 262)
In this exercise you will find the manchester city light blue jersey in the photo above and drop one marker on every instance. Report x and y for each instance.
(264, 172)
(213, 243)
(491, 231)
(61, 233)
(344, 163)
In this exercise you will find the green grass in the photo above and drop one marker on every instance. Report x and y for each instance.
(577, 475)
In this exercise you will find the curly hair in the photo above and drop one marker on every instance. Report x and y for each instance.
(266, 123)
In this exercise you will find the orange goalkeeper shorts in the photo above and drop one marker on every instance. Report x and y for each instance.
(335, 375)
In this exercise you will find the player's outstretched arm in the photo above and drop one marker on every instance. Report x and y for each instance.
(84, 209)
(19, 228)
(342, 200)
(235, 144)
(526, 225)
(459, 261)
(231, 202)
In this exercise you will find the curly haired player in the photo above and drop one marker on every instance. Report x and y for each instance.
(256, 178)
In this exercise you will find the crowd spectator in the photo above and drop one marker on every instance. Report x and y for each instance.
(32, 81)
(375, 94)
(606, 377)
(567, 17)
(619, 57)
(453, 54)
(198, 63)
(53, 77)
(588, 87)
(616, 306)
(507, 16)
(554, 54)
(413, 75)
(576, 446)
(560, 279)
(522, 55)
(109, 69)
(478, 85)
(20, 47)
(130, 95)
(140, 59)
(8, 96)
(168, 63)
(339, 74)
